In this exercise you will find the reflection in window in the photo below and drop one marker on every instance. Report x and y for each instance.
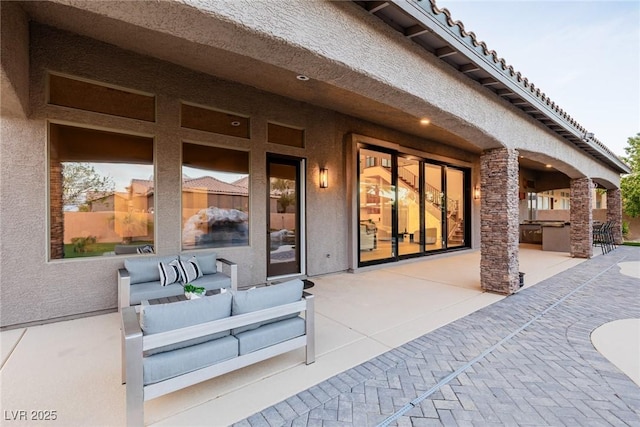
(215, 197)
(377, 196)
(101, 193)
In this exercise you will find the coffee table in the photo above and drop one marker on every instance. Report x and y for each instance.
(177, 298)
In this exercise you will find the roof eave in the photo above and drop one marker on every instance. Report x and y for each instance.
(539, 105)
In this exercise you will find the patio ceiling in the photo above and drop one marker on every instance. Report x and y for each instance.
(421, 22)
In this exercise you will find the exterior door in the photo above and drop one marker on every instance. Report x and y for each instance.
(285, 204)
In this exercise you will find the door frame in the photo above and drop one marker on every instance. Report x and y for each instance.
(301, 245)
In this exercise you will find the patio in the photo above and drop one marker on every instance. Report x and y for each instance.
(73, 367)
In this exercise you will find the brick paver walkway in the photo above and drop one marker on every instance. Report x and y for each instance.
(526, 360)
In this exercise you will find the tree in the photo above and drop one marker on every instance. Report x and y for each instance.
(630, 184)
(82, 179)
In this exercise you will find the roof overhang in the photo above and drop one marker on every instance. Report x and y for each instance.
(434, 30)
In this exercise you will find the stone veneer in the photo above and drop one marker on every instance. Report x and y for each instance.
(499, 218)
(614, 213)
(581, 218)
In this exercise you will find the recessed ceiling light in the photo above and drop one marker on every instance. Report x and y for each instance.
(302, 78)
(235, 123)
(548, 166)
(425, 121)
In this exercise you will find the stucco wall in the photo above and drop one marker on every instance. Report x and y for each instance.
(68, 287)
(305, 38)
(369, 61)
(14, 50)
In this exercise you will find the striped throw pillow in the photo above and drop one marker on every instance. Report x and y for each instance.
(168, 273)
(189, 270)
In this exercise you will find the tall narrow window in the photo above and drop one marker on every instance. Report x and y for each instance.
(215, 197)
(101, 193)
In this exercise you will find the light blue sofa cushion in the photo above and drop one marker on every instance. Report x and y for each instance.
(265, 297)
(206, 261)
(143, 270)
(153, 290)
(213, 281)
(268, 335)
(176, 315)
(170, 364)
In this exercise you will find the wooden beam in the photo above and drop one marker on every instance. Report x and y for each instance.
(467, 68)
(519, 101)
(445, 51)
(488, 82)
(505, 92)
(415, 30)
(374, 6)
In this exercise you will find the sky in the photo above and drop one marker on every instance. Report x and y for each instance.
(585, 55)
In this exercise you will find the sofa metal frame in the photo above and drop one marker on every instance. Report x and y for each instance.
(134, 344)
(124, 281)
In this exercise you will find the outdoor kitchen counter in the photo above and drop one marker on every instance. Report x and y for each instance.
(553, 235)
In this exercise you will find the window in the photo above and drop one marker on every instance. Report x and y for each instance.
(215, 197)
(209, 120)
(101, 192)
(285, 135)
(84, 95)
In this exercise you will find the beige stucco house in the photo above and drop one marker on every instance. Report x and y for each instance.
(427, 141)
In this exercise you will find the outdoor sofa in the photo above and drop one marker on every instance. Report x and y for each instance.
(152, 277)
(171, 346)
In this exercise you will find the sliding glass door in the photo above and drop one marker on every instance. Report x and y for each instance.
(433, 207)
(409, 206)
(409, 212)
(377, 195)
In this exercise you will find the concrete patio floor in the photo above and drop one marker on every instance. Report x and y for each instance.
(73, 367)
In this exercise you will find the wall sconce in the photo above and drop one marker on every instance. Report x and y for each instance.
(324, 177)
(476, 192)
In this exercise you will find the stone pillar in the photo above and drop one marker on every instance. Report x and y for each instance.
(581, 217)
(614, 213)
(499, 221)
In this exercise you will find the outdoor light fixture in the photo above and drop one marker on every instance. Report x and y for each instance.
(425, 122)
(476, 192)
(324, 177)
(302, 78)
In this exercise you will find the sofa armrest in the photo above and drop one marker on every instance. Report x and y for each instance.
(124, 283)
(233, 271)
(132, 368)
(310, 327)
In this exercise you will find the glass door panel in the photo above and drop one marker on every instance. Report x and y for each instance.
(283, 219)
(433, 207)
(455, 208)
(409, 221)
(377, 195)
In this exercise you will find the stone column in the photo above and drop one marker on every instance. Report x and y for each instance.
(581, 217)
(499, 221)
(614, 213)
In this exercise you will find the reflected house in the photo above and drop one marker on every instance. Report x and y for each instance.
(214, 212)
